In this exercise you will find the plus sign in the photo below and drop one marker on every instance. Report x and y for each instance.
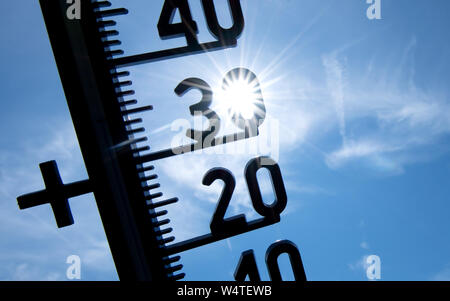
(56, 194)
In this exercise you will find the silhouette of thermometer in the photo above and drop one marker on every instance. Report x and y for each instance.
(123, 184)
(114, 150)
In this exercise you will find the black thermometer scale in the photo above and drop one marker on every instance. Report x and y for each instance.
(118, 158)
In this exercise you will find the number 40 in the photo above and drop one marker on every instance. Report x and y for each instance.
(188, 27)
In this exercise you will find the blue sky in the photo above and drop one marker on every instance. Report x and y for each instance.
(361, 107)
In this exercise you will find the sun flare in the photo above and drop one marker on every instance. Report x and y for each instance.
(241, 94)
(242, 97)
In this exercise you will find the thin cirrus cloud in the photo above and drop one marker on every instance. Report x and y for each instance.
(382, 117)
(404, 117)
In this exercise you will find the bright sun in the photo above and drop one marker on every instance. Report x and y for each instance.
(241, 94)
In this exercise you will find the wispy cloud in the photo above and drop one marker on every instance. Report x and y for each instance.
(359, 265)
(25, 272)
(403, 117)
(373, 151)
(336, 84)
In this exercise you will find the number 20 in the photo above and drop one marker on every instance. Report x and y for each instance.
(269, 212)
